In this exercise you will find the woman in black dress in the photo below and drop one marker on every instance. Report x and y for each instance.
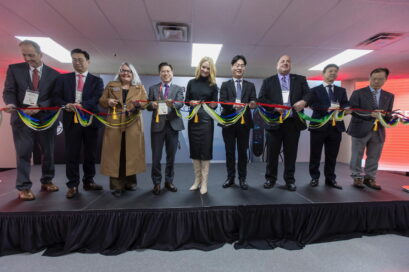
(202, 88)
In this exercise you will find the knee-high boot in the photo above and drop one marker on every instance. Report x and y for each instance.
(198, 175)
(205, 174)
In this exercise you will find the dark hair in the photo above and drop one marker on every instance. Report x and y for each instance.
(238, 57)
(32, 43)
(330, 66)
(379, 70)
(80, 51)
(164, 64)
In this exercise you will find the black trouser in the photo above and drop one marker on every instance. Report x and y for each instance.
(170, 138)
(287, 135)
(75, 137)
(233, 134)
(331, 140)
(122, 181)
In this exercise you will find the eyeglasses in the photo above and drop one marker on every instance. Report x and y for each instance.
(125, 71)
(78, 60)
(239, 65)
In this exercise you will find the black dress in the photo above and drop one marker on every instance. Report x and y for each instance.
(201, 133)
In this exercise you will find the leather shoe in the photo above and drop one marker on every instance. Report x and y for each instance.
(72, 192)
(243, 183)
(26, 195)
(269, 184)
(291, 187)
(116, 193)
(171, 187)
(333, 183)
(314, 182)
(49, 187)
(92, 186)
(229, 182)
(156, 189)
(358, 183)
(371, 183)
(131, 187)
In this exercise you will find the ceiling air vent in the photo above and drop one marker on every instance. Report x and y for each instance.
(381, 40)
(172, 32)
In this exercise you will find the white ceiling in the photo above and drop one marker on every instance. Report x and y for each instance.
(113, 31)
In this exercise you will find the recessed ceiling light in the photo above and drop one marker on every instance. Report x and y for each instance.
(50, 47)
(342, 58)
(200, 50)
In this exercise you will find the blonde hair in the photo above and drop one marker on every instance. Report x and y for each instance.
(212, 74)
(135, 77)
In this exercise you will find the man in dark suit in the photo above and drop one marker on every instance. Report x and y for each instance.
(83, 89)
(361, 128)
(326, 97)
(165, 126)
(242, 91)
(29, 85)
(290, 90)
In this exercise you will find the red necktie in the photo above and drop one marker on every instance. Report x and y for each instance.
(36, 79)
(80, 85)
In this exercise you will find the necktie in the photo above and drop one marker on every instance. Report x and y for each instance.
(166, 91)
(331, 94)
(80, 84)
(238, 89)
(35, 79)
(284, 84)
(375, 100)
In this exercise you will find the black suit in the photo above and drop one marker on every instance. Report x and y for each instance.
(286, 134)
(75, 134)
(327, 135)
(166, 131)
(17, 82)
(237, 132)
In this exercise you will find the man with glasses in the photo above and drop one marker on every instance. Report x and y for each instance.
(165, 126)
(73, 90)
(242, 92)
(29, 85)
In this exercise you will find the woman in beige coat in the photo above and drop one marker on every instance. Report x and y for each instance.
(123, 148)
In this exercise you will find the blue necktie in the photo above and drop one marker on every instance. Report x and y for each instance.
(238, 89)
(166, 91)
(331, 94)
(375, 100)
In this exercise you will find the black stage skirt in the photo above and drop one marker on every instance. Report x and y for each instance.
(201, 137)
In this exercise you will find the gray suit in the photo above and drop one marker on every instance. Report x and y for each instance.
(361, 130)
(165, 131)
(17, 82)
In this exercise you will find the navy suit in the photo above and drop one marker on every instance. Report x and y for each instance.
(17, 82)
(286, 134)
(327, 136)
(238, 132)
(75, 134)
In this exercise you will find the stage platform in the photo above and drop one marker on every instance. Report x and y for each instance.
(256, 218)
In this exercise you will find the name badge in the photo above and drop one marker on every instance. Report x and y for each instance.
(334, 104)
(162, 108)
(30, 98)
(116, 89)
(78, 97)
(285, 94)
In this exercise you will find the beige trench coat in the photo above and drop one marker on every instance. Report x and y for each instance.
(134, 139)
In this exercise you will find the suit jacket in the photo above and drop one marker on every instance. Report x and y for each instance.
(175, 93)
(270, 93)
(228, 94)
(18, 81)
(360, 126)
(320, 102)
(64, 93)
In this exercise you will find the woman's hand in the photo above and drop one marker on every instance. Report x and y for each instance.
(112, 102)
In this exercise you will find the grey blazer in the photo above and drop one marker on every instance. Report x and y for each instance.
(360, 126)
(18, 81)
(175, 93)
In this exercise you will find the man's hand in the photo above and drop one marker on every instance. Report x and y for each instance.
(280, 110)
(252, 105)
(374, 114)
(71, 106)
(213, 105)
(31, 112)
(238, 106)
(169, 103)
(154, 105)
(10, 108)
(194, 102)
(300, 105)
